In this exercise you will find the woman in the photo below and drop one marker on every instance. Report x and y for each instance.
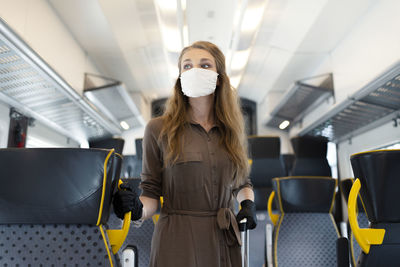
(195, 157)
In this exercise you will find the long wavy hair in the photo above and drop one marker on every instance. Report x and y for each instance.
(227, 115)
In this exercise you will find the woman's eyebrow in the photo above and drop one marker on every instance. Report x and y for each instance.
(205, 59)
(188, 59)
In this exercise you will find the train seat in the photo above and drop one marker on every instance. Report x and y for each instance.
(265, 164)
(378, 183)
(264, 152)
(310, 159)
(305, 232)
(54, 204)
(112, 143)
(288, 160)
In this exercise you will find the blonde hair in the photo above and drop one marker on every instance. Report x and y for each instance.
(227, 114)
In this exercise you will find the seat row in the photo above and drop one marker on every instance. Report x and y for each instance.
(305, 232)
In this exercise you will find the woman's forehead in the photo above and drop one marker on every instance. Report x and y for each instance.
(197, 54)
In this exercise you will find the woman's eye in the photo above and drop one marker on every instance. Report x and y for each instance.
(186, 66)
(206, 66)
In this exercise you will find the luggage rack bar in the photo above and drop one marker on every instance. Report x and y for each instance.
(374, 105)
(25, 75)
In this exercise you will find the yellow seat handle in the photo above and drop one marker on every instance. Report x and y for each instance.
(157, 216)
(274, 217)
(250, 161)
(118, 236)
(365, 236)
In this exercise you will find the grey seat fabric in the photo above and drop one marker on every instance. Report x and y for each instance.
(306, 232)
(52, 245)
(140, 238)
(53, 204)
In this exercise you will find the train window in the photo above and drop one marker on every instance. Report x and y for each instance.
(392, 146)
(332, 158)
(39, 135)
(33, 141)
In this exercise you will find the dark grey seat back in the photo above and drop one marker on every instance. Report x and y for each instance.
(112, 143)
(53, 204)
(378, 172)
(310, 156)
(266, 164)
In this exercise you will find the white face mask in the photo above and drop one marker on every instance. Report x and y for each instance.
(198, 82)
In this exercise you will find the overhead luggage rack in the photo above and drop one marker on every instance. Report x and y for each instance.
(31, 86)
(302, 98)
(112, 99)
(375, 104)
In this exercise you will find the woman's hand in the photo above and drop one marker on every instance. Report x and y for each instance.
(247, 211)
(127, 200)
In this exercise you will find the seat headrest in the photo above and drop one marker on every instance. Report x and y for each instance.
(264, 147)
(55, 185)
(109, 143)
(304, 194)
(378, 172)
(310, 146)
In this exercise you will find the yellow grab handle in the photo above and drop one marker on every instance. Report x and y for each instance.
(274, 217)
(156, 216)
(250, 161)
(365, 236)
(118, 236)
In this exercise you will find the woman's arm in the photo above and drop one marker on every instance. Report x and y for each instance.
(150, 206)
(245, 193)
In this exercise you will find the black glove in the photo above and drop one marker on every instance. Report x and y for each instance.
(126, 200)
(248, 211)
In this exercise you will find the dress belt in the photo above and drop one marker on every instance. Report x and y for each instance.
(226, 221)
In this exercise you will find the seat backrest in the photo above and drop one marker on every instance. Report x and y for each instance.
(139, 238)
(264, 153)
(378, 181)
(288, 160)
(306, 232)
(310, 156)
(112, 143)
(53, 204)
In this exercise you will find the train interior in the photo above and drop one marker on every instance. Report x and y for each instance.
(319, 88)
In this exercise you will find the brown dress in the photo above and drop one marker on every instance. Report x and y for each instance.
(197, 227)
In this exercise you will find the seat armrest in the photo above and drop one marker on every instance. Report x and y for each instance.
(342, 252)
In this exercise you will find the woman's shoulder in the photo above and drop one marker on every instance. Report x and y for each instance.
(154, 126)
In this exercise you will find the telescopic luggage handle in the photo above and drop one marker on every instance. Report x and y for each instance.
(244, 234)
